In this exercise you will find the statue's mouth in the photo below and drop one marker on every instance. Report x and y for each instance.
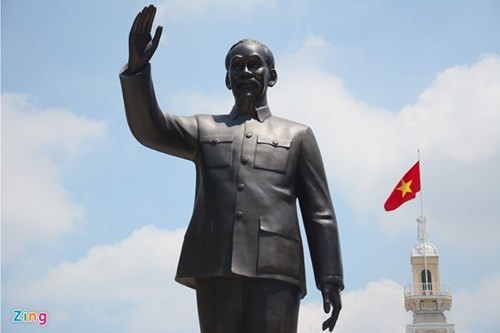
(245, 84)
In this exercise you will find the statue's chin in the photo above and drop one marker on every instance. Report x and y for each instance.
(247, 96)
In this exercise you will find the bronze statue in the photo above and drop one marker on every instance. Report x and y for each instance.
(242, 250)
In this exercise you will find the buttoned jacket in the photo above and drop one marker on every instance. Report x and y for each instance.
(250, 171)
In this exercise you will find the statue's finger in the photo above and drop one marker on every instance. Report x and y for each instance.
(326, 301)
(135, 25)
(156, 38)
(150, 18)
(334, 317)
(327, 324)
(141, 26)
(326, 306)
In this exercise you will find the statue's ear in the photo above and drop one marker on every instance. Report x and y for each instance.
(228, 84)
(274, 77)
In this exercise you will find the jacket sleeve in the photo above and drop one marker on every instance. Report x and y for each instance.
(154, 129)
(318, 214)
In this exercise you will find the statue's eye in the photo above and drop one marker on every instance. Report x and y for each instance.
(254, 64)
(237, 65)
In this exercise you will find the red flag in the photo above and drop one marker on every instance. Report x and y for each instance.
(405, 190)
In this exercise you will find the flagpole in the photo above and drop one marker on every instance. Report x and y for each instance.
(421, 200)
(426, 271)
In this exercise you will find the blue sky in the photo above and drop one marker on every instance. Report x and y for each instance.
(92, 221)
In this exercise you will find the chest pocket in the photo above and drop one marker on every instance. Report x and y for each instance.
(272, 154)
(217, 150)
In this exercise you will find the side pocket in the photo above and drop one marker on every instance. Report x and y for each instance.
(217, 151)
(279, 254)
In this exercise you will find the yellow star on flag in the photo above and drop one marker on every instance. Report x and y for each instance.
(405, 187)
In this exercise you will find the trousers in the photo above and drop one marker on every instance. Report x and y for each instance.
(245, 305)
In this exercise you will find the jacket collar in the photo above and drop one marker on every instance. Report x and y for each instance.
(262, 113)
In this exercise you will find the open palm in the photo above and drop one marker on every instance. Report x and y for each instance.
(141, 45)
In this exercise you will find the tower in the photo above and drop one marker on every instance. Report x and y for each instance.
(427, 298)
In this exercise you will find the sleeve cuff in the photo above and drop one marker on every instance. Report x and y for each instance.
(124, 70)
(336, 280)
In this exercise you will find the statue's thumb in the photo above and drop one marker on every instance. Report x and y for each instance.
(158, 32)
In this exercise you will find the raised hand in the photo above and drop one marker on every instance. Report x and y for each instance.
(331, 299)
(141, 45)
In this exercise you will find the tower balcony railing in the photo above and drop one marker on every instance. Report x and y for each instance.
(427, 289)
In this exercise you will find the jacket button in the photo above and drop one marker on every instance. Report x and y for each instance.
(275, 142)
(215, 141)
(244, 160)
(241, 187)
(239, 215)
(248, 135)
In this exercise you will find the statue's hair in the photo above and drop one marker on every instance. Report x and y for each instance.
(268, 55)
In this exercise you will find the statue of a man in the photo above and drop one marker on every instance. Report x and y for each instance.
(242, 250)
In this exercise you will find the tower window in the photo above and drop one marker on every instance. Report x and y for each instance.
(426, 282)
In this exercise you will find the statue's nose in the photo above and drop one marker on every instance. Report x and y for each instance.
(246, 72)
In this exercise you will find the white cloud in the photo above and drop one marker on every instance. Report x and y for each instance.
(367, 149)
(458, 115)
(129, 270)
(456, 123)
(129, 286)
(135, 275)
(37, 144)
(475, 310)
(378, 308)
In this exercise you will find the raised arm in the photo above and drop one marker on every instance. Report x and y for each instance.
(149, 125)
(141, 46)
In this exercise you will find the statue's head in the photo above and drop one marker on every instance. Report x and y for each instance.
(266, 52)
(250, 69)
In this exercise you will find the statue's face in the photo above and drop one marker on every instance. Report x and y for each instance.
(248, 74)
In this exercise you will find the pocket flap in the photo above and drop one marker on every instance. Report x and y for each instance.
(276, 142)
(289, 230)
